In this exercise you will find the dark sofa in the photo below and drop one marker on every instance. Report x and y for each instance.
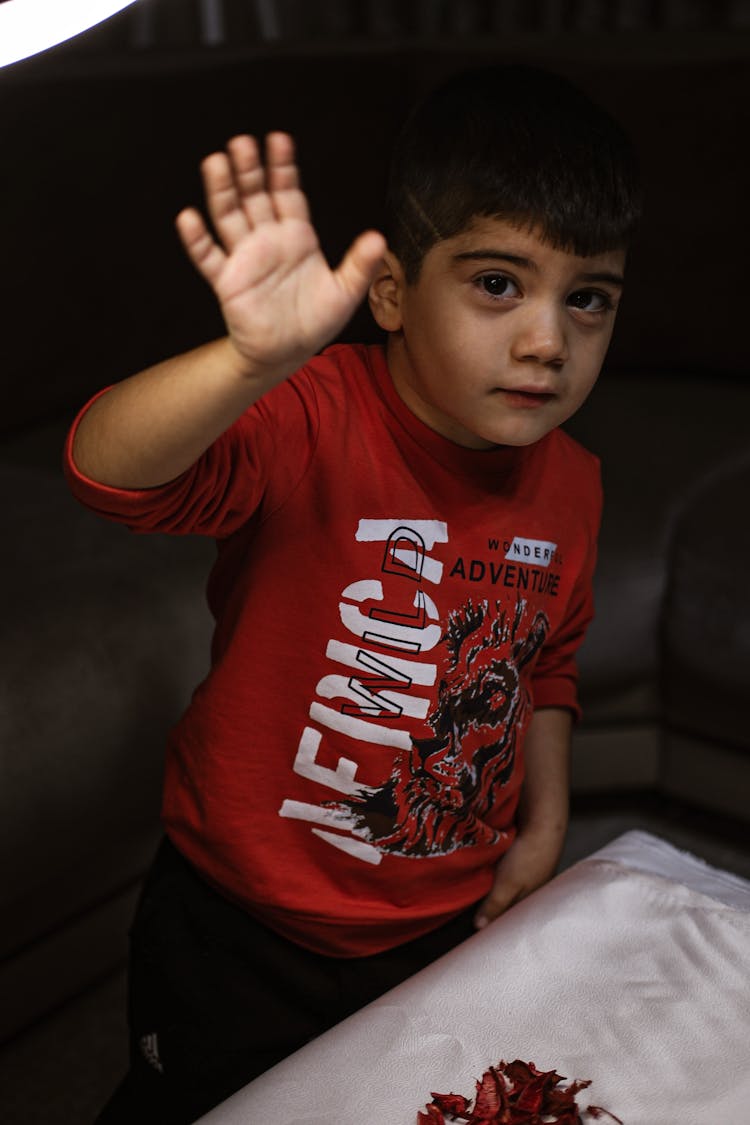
(105, 633)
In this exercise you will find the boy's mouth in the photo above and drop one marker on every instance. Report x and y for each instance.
(525, 398)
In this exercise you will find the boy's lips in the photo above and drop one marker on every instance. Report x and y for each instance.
(526, 397)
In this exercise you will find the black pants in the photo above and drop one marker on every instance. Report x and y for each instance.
(215, 998)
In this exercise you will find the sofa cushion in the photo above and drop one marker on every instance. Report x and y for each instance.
(105, 635)
(657, 436)
(707, 620)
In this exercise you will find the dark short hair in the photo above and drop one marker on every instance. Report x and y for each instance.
(517, 143)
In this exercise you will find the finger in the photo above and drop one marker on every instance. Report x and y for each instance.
(250, 178)
(288, 199)
(223, 199)
(205, 254)
(358, 266)
(496, 903)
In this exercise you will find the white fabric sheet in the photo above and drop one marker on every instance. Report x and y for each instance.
(629, 969)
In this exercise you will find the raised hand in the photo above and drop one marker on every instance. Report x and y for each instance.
(280, 300)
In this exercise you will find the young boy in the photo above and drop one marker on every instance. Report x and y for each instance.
(377, 762)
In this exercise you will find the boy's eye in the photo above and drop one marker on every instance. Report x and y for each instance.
(590, 300)
(497, 285)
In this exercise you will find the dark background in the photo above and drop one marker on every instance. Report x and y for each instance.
(102, 136)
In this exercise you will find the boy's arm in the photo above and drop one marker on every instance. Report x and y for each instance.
(542, 814)
(281, 304)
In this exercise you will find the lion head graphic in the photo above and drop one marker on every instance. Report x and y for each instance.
(441, 788)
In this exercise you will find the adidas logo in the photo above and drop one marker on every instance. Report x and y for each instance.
(149, 1045)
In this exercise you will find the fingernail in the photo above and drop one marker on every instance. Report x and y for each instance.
(480, 922)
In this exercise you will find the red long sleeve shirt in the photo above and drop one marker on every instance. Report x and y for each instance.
(389, 609)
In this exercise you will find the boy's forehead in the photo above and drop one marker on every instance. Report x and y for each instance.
(488, 238)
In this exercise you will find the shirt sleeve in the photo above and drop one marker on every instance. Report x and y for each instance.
(253, 466)
(555, 675)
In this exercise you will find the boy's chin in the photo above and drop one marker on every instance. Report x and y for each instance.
(514, 437)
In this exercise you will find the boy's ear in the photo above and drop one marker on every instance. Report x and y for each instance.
(385, 293)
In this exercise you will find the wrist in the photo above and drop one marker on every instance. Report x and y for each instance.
(251, 372)
(236, 362)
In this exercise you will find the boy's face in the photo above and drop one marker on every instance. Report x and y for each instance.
(502, 336)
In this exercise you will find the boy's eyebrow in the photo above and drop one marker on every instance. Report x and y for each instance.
(495, 255)
(606, 276)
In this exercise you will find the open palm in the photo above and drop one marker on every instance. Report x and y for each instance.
(280, 300)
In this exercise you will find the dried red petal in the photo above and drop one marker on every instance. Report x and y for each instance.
(491, 1103)
(531, 1097)
(456, 1104)
(433, 1116)
(519, 1072)
(560, 1099)
(596, 1111)
(515, 1093)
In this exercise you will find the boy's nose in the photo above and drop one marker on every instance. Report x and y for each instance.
(540, 337)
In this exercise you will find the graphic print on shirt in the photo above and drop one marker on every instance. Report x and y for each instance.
(442, 787)
(444, 780)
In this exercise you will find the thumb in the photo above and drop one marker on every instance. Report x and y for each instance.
(502, 896)
(359, 263)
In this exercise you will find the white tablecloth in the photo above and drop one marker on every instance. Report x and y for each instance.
(630, 969)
